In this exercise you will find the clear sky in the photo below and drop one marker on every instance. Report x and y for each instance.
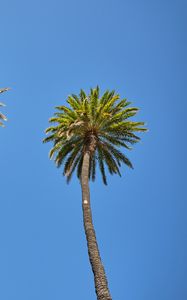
(48, 50)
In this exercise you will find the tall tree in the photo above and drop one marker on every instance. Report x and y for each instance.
(3, 117)
(90, 131)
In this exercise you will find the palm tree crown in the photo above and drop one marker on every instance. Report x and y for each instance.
(96, 124)
(3, 117)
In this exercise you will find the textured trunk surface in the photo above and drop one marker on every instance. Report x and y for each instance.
(101, 285)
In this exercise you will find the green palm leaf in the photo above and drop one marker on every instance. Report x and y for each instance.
(2, 116)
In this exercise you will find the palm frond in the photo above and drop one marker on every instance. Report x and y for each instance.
(109, 159)
(93, 169)
(70, 161)
(74, 165)
(101, 165)
(2, 116)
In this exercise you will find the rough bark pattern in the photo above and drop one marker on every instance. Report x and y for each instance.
(101, 285)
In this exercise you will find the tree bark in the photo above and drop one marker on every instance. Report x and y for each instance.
(101, 285)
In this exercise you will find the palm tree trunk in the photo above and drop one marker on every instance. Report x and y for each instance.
(101, 285)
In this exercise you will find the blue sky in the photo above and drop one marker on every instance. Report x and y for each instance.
(50, 49)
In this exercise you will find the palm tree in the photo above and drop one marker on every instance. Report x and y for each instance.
(3, 117)
(86, 133)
